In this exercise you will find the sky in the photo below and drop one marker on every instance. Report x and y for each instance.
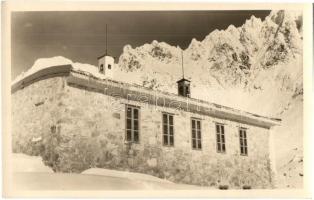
(80, 35)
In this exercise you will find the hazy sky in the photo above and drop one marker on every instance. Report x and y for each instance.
(80, 36)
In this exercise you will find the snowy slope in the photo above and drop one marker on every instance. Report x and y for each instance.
(289, 146)
(290, 174)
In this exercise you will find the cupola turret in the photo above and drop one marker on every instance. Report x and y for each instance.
(183, 84)
(184, 87)
(106, 62)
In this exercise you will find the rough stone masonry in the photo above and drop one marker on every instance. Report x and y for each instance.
(75, 122)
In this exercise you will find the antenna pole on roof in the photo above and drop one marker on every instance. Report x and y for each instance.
(182, 63)
(106, 41)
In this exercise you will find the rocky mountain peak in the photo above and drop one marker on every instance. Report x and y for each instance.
(240, 58)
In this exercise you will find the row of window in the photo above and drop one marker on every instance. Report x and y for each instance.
(132, 131)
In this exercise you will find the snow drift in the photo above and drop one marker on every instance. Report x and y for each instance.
(25, 163)
(30, 173)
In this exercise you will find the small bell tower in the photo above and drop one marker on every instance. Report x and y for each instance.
(183, 84)
(106, 62)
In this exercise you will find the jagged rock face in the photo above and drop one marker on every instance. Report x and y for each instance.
(238, 57)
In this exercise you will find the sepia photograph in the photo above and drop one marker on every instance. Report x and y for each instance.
(203, 100)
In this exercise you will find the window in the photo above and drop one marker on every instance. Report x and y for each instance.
(109, 66)
(196, 134)
(132, 123)
(168, 133)
(181, 90)
(220, 137)
(187, 91)
(101, 69)
(243, 141)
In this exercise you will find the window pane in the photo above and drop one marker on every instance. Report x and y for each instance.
(170, 119)
(199, 134)
(241, 133)
(165, 129)
(165, 139)
(241, 142)
(244, 142)
(171, 130)
(136, 137)
(245, 151)
(187, 89)
(135, 113)
(128, 124)
(217, 128)
(242, 150)
(194, 144)
(181, 90)
(222, 129)
(223, 138)
(193, 134)
(218, 137)
(198, 125)
(223, 148)
(199, 144)
(164, 119)
(218, 147)
(244, 134)
(129, 112)
(171, 140)
(193, 124)
(135, 125)
(128, 135)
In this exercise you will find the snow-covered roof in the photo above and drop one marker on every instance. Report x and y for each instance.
(88, 75)
(139, 93)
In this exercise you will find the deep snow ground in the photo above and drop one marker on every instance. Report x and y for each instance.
(29, 173)
(61, 181)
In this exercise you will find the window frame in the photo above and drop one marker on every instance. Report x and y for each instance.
(132, 123)
(196, 134)
(244, 141)
(168, 129)
(220, 143)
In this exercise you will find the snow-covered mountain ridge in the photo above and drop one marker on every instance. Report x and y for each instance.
(258, 57)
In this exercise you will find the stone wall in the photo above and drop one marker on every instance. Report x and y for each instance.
(34, 111)
(81, 128)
